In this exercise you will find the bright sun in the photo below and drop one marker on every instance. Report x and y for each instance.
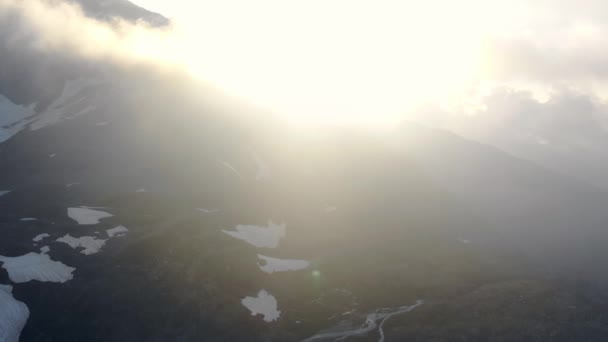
(331, 59)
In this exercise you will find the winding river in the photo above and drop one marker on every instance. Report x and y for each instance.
(373, 321)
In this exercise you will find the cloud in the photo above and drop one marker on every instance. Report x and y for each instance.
(61, 27)
(566, 118)
(45, 43)
(536, 46)
(531, 59)
(543, 91)
(551, 42)
(566, 132)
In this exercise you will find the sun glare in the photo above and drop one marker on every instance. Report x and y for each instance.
(331, 60)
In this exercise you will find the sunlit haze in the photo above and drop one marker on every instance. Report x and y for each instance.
(303, 170)
(336, 60)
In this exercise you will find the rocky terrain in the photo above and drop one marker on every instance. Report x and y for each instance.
(144, 206)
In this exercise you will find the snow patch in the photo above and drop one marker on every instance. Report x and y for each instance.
(349, 312)
(229, 166)
(34, 266)
(117, 231)
(13, 315)
(40, 237)
(331, 209)
(60, 109)
(140, 190)
(464, 240)
(259, 236)
(264, 304)
(14, 118)
(90, 244)
(84, 215)
(263, 171)
(2, 193)
(28, 219)
(281, 265)
(207, 211)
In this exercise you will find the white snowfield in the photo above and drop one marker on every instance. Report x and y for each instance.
(13, 315)
(272, 265)
(264, 304)
(34, 266)
(260, 236)
(117, 231)
(84, 215)
(28, 219)
(14, 118)
(90, 244)
(67, 106)
(40, 237)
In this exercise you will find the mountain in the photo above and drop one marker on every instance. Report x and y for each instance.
(123, 9)
(29, 74)
(137, 204)
(565, 133)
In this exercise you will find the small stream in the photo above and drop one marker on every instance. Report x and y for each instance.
(373, 321)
